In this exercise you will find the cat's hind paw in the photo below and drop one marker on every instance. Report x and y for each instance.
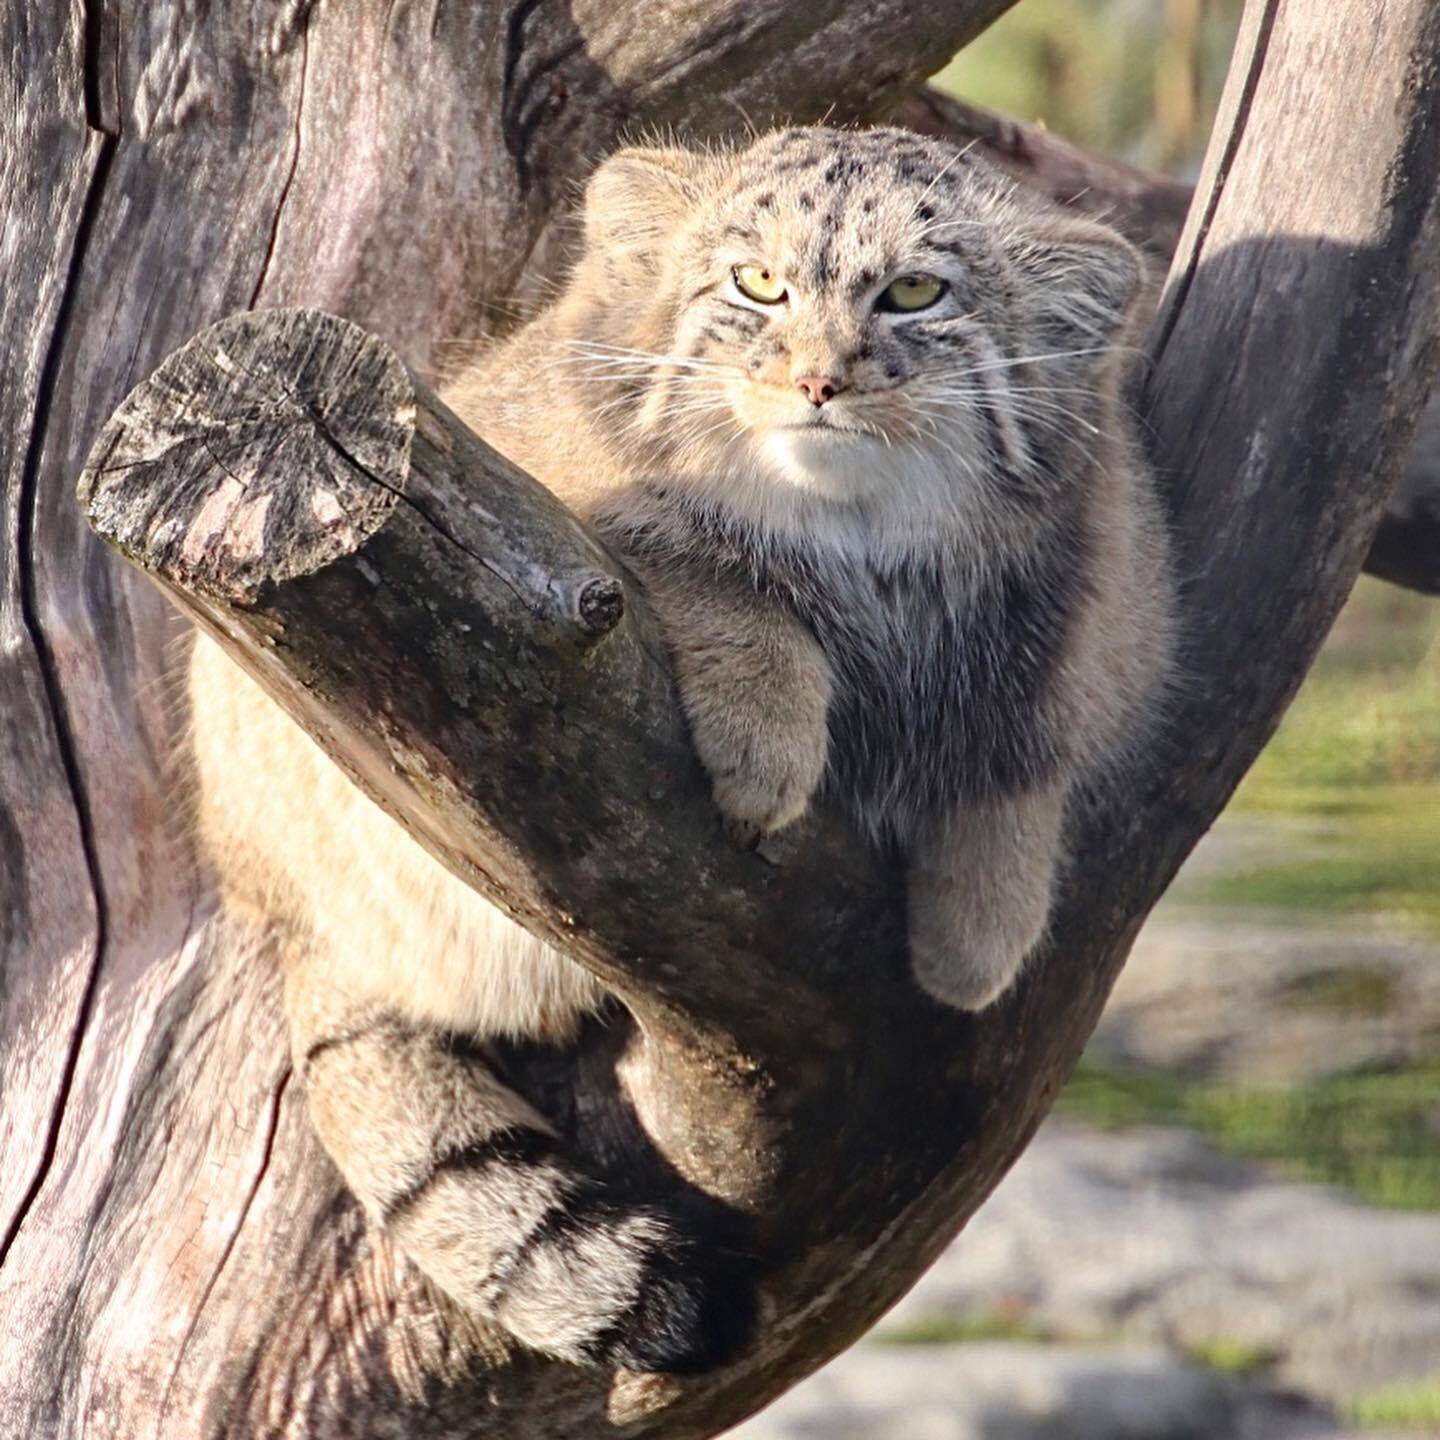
(640, 1288)
(980, 892)
(966, 975)
(690, 1315)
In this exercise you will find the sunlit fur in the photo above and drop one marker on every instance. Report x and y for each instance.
(965, 528)
(938, 599)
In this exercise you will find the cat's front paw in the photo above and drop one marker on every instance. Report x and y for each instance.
(764, 780)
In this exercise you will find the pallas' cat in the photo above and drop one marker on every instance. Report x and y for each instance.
(848, 404)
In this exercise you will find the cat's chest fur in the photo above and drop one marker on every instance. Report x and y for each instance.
(942, 662)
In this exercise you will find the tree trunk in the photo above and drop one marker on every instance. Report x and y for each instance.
(177, 1257)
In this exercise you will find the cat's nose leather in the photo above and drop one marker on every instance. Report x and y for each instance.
(818, 388)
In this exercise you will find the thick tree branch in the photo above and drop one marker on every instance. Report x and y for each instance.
(1260, 387)
(483, 668)
(1150, 210)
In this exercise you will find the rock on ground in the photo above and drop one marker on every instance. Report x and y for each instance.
(1151, 1234)
(1255, 998)
(1007, 1391)
(1136, 1248)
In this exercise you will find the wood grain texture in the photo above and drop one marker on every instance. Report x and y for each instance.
(47, 902)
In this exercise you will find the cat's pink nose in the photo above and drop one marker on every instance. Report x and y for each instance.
(818, 388)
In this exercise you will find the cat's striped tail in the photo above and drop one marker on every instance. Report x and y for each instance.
(475, 1188)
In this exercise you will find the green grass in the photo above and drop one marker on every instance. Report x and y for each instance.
(941, 1329)
(1372, 850)
(1367, 717)
(1230, 1356)
(1376, 1134)
(1397, 1405)
(1356, 763)
(1343, 990)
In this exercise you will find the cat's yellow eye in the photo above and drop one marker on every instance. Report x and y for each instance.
(759, 282)
(906, 293)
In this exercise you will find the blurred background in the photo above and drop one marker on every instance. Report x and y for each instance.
(1230, 1229)
(1136, 78)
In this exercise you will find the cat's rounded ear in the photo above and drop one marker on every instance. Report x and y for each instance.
(640, 194)
(1079, 279)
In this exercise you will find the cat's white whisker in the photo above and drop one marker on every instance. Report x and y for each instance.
(600, 353)
(945, 170)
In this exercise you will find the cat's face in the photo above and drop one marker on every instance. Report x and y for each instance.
(863, 317)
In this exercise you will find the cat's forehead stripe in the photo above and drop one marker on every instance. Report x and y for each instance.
(842, 202)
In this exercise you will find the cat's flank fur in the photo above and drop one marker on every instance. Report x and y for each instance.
(848, 404)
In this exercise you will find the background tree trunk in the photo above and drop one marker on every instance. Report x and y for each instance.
(176, 1255)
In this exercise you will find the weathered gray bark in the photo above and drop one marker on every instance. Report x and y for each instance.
(178, 1258)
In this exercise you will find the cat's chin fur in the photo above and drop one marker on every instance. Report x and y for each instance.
(837, 463)
(851, 491)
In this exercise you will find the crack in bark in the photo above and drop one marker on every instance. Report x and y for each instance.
(1175, 301)
(294, 162)
(272, 1127)
(93, 12)
(30, 619)
(513, 92)
(323, 430)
